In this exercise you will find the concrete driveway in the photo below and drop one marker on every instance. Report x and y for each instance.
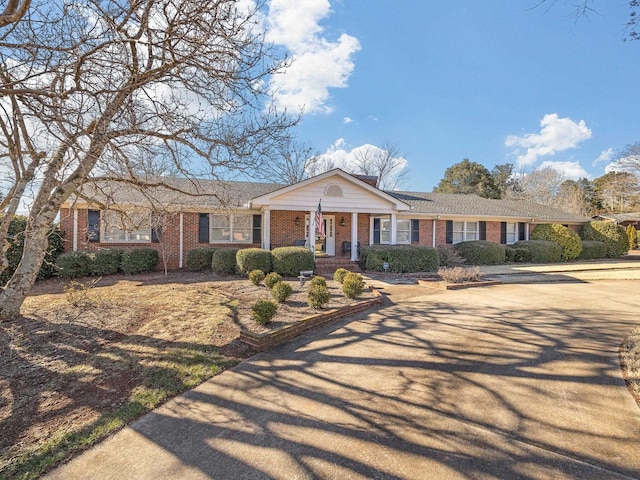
(508, 381)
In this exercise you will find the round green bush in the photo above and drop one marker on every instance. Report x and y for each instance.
(339, 274)
(281, 291)
(568, 240)
(290, 261)
(318, 280)
(223, 261)
(481, 252)
(262, 311)
(256, 277)
(249, 259)
(540, 251)
(106, 262)
(74, 264)
(138, 260)
(318, 296)
(614, 236)
(401, 258)
(353, 285)
(592, 249)
(632, 235)
(200, 259)
(271, 279)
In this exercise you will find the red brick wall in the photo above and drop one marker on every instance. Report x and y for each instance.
(171, 237)
(284, 231)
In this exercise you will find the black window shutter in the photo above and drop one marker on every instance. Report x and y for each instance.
(415, 231)
(449, 234)
(93, 222)
(521, 231)
(376, 230)
(156, 234)
(257, 229)
(203, 228)
(483, 230)
(503, 232)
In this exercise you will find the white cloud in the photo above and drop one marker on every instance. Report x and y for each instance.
(317, 63)
(347, 120)
(340, 156)
(605, 156)
(569, 170)
(556, 135)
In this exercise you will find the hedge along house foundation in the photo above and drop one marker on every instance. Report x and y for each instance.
(179, 215)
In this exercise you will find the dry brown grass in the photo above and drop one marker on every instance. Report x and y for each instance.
(630, 363)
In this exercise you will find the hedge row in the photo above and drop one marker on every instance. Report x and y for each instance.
(107, 262)
(401, 258)
(286, 261)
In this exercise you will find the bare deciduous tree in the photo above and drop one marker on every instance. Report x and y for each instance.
(293, 162)
(386, 163)
(540, 186)
(92, 89)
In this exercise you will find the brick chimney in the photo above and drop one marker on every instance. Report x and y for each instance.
(370, 179)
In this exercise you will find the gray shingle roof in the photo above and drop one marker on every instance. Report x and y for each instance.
(620, 217)
(178, 192)
(475, 206)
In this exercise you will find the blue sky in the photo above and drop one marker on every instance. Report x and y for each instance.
(494, 81)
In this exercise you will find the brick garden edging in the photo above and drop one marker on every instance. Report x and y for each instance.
(263, 341)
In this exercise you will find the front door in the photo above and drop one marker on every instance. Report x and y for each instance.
(327, 245)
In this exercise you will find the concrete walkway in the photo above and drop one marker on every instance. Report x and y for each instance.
(507, 381)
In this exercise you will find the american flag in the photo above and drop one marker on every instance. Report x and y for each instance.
(319, 222)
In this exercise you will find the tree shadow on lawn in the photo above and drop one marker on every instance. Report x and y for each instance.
(439, 389)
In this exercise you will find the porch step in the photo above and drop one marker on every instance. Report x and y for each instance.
(328, 265)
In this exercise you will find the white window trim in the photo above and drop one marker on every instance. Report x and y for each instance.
(514, 233)
(408, 230)
(231, 228)
(465, 230)
(127, 234)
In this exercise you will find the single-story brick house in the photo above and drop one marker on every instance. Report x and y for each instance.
(267, 215)
(624, 219)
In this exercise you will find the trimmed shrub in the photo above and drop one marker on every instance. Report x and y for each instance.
(256, 277)
(481, 252)
(281, 291)
(106, 262)
(460, 274)
(353, 285)
(200, 259)
(339, 274)
(262, 311)
(318, 280)
(568, 240)
(15, 237)
(540, 251)
(74, 264)
(223, 261)
(138, 260)
(449, 256)
(249, 259)
(271, 279)
(614, 236)
(401, 258)
(318, 296)
(592, 249)
(519, 254)
(290, 261)
(632, 235)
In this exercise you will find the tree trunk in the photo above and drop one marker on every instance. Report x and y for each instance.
(35, 248)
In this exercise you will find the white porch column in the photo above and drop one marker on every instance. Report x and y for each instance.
(433, 234)
(394, 229)
(526, 231)
(75, 229)
(266, 230)
(312, 231)
(181, 254)
(354, 236)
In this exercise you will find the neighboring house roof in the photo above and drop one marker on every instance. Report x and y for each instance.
(619, 217)
(476, 206)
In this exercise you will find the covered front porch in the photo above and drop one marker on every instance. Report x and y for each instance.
(330, 214)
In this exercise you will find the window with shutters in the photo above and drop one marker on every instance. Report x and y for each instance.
(465, 231)
(231, 228)
(403, 234)
(126, 227)
(512, 233)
